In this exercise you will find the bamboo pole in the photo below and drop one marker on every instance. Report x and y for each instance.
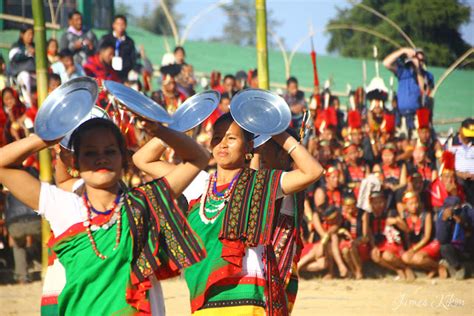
(21, 19)
(171, 21)
(451, 69)
(262, 49)
(42, 88)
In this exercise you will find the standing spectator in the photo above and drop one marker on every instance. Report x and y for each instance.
(52, 50)
(66, 68)
(295, 99)
(77, 39)
(229, 85)
(179, 55)
(414, 82)
(125, 56)
(100, 65)
(22, 62)
(186, 81)
(464, 158)
(24, 228)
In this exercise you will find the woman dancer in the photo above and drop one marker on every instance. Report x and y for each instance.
(110, 240)
(235, 217)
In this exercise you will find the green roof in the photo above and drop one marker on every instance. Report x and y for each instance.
(454, 99)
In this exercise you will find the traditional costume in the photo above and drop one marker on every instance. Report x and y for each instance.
(110, 259)
(249, 258)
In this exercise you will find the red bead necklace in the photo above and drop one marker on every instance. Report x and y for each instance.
(116, 215)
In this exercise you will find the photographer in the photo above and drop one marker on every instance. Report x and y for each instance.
(414, 83)
(464, 158)
(452, 226)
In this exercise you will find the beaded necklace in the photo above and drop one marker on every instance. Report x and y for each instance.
(214, 202)
(115, 218)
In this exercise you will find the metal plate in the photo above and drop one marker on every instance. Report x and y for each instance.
(65, 108)
(260, 112)
(137, 102)
(195, 110)
(96, 112)
(259, 140)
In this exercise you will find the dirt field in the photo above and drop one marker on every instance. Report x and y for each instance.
(315, 297)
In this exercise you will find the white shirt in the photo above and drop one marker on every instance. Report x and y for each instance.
(464, 158)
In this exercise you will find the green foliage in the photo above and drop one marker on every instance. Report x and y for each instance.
(240, 28)
(431, 24)
(155, 20)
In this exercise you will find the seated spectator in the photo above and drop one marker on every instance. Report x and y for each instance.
(66, 68)
(229, 85)
(12, 117)
(451, 228)
(423, 248)
(22, 62)
(100, 65)
(446, 184)
(3, 73)
(52, 50)
(125, 53)
(354, 243)
(394, 174)
(80, 41)
(385, 239)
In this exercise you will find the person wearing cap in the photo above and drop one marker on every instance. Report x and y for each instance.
(354, 169)
(354, 234)
(423, 248)
(384, 236)
(394, 174)
(464, 158)
(451, 226)
(446, 184)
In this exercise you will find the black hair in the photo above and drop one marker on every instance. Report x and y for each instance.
(120, 16)
(98, 123)
(52, 40)
(73, 13)
(179, 48)
(106, 44)
(291, 80)
(467, 122)
(65, 53)
(23, 29)
(227, 117)
(226, 95)
(53, 76)
(229, 76)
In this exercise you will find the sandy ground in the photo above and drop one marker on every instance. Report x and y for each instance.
(315, 297)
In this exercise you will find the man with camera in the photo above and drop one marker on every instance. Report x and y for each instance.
(414, 83)
(453, 232)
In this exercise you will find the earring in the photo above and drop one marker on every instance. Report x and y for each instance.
(248, 156)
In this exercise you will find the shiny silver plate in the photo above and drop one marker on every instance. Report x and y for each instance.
(195, 110)
(96, 112)
(259, 140)
(260, 112)
(137, 102)
(65, 108)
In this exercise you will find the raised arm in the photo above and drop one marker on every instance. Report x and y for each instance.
(21, 184)
(194, 158)
(389, 61)
(307, 171)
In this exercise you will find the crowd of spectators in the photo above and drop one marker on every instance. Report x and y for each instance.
(394, 194)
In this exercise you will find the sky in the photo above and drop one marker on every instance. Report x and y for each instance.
(295, 17)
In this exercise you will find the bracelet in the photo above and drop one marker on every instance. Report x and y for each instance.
(292, 149)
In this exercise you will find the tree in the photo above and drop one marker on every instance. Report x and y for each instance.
(432, 25)
(240, 27)
(122, 8)
(155, 20)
